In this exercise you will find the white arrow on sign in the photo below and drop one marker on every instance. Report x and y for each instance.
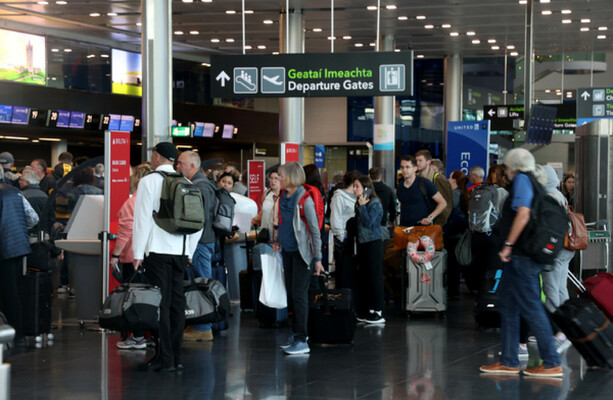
(223, 77)
(491, 112)
(585, 95)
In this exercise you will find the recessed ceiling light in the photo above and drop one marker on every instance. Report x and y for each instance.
(91, 55)
(601, 37)
(491, 40)
(420, 17)
(267, 21)
(545, 1)
(230, 11)
(215, 40)
(61, 3)
(495, 47)
(94, 14)
(454, 34)
(446, 26)
(274, 53)
(585, 20)
(429, 26)
(67, 50)
(205, 64)
(358, 45)
(470, 33)
(347, 37)
(248, 11)
(584, 29)
(316, 29)
(547, 90)
(391, 7)
(248, 47)
(371, 8)
(567, 21)
(476, 41)
(514, 54)
(55, 50)
(546, 12)
(569, 95)
(331, 37)
(396, 50)
(523, 1)
(111, 14)
(229, 40)
(403, 18)
(558, 90)
(420, 56)
(187, 1)
(510, 47)
(206, 1)
(373, 44)
(179, 33)
(558, 94)
(194, 32)
(42, 3)
(567, 12)
(602, 28)
(104, 55)
(261, 47)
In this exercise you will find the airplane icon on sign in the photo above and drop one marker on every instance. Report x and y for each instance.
(273, 79)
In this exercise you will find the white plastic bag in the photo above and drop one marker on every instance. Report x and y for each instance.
(272, 290)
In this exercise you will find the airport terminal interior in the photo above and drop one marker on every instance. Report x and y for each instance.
(71, 71)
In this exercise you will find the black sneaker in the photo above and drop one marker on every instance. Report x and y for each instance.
(375, 318)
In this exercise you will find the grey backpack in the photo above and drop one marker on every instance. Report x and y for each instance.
(482, 208)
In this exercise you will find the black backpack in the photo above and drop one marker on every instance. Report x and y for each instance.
(181, 206)
(224, 216)
(543, 237)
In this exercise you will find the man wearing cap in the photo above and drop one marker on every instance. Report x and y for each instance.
(8, 162)
(164, 257)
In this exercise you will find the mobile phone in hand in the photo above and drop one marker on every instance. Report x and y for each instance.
(367, 192)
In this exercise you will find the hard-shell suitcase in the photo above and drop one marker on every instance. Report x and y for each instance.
(425, 290)
(218, 272)
(588, 329)
(486, 309)
(331, 316)
(35, 289)
(599, 289)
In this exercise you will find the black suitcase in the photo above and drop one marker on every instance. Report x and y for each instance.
(35, 289)
(219, 273)
(245, 281)
(331, 316)
(588, 329)
(485, 310)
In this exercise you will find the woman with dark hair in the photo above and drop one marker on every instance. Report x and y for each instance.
(368, 214)
(459, 189)
(455, 227)
(568, 188)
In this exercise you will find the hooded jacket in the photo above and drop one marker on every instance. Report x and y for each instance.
(553, 182)
(342, 207)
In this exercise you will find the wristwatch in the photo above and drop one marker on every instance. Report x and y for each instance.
(431, 217)
(508, 244)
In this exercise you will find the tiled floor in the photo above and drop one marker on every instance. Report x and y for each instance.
(424, 357)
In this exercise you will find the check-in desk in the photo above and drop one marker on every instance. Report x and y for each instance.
(83, 243)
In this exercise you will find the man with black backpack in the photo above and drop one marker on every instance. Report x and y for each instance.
(189, 165)
(163, 241)
(534, 232)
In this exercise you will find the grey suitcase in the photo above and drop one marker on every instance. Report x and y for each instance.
(425, 290)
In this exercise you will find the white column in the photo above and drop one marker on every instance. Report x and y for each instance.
(384, 115)
(157, 73)
(452, 94)
(57, 148)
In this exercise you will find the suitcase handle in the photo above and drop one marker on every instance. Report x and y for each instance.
(575, 281)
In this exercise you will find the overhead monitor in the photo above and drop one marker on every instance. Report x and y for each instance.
(23, 58)
(6, 114)
(204, 129)
(63, 119)
(181, 131)
(21, 115)
(77, 119)
(127, 73)
(114, 122)
(540, 127)
(228, 131)
(127, 123)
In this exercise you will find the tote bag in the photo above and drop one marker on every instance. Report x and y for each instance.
(272, 290)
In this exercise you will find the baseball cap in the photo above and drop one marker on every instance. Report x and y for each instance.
(6, 158)
(166, 150)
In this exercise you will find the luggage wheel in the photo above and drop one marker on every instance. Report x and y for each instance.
(82, 325)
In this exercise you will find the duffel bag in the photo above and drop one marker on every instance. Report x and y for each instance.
(206, 301)
(132, 306)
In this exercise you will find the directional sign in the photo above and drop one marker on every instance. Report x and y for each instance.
(313, 75)
(320, 156)
(502, 116)
(593, 104)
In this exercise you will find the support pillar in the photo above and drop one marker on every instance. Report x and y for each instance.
(385, 116)
(528, 46)
(291, 109)
(156, 51)
(452, 94)
(57, 148)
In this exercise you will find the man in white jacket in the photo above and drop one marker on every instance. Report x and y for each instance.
(164, 256)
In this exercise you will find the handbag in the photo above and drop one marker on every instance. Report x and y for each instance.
(272, 289)
(131, 306)
(577, 237)
(463, 250)
(404, 235)
(206, 300)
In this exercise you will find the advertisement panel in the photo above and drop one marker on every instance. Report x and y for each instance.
(467, 145)
(290, 152)
(22, 58)
(384, 137)
(127, 73)
(256, 170)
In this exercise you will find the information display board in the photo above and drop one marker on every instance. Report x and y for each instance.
(593, 104)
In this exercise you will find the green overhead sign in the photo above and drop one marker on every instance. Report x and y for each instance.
(313, 75)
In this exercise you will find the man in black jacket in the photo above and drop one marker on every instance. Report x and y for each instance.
(386, 194)
(29, 182)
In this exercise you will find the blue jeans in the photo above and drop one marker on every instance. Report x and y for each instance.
(202, 267)
(520, 294)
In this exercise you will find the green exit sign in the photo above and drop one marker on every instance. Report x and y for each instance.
(181, 131)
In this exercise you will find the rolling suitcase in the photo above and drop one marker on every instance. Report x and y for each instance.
(219, 273)
(486, 310)
(245, 280)
(599, 289)
(425, 290)
(331, 317)
(35, 289)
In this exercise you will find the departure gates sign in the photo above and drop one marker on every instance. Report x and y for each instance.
(313, 75)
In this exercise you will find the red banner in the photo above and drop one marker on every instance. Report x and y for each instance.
(290, 152)
(118, 184)
(256, 170)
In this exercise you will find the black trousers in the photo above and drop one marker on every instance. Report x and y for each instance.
(370, 277)
(167, 272)
(10, 305)
(485, 257)
(297, 280)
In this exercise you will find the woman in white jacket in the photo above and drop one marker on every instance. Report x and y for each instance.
(342, 208)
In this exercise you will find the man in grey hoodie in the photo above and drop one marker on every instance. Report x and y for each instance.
(554, 279)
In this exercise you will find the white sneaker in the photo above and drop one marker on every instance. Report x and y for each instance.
(531, 339)
(133, 343)
(375, 318)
